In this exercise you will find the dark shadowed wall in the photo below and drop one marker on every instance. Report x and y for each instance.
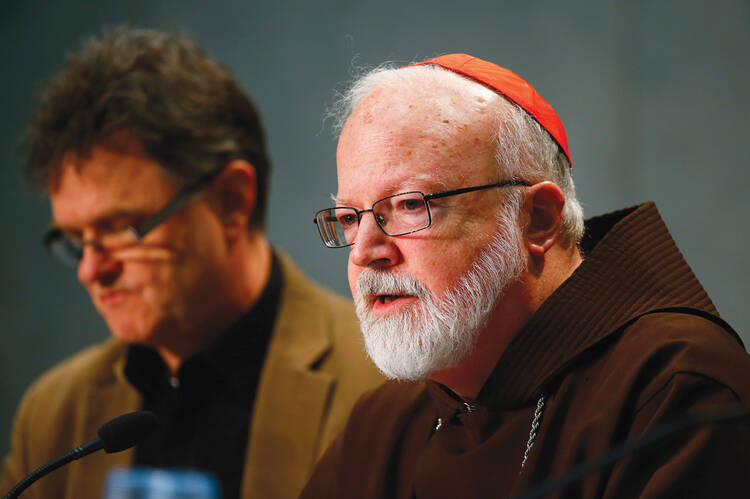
(654, 98)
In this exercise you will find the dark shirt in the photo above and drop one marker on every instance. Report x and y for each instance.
(205, 409)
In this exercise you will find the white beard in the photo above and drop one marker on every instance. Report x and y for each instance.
(435, 334)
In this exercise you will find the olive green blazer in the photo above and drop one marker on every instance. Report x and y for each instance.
(314, 371)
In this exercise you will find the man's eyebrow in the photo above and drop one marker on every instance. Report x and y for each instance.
(105, 218)
(415, 183)
(418, 182)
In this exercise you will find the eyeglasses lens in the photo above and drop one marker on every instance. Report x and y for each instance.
(337, 226)
(396, 215)
(66, 250)
(402, 213)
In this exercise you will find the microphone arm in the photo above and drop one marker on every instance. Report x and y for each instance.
(77, 453)
(119, 434)
(576, 473)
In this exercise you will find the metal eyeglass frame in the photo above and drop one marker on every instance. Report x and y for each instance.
(426, 198)
(139, 230)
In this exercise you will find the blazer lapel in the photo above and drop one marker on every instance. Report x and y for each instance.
(105, 401)
(292, 398)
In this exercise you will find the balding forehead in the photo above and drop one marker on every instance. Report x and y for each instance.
(398, 113)
(392, 143)
(442, 92)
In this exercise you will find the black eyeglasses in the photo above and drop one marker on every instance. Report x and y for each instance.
(396, 215)
(69, 248)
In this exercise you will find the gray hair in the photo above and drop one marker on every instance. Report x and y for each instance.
(523, 149)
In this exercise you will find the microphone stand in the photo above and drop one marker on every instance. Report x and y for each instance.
(116, 435)
(77, 453)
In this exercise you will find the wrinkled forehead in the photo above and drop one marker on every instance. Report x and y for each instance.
(399, 137)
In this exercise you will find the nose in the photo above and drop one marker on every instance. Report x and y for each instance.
(96, 265)
(372, 246)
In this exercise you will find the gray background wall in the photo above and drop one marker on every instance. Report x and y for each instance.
(653, 96)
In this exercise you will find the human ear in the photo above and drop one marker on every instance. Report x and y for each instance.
(544, 205)
(235, 195)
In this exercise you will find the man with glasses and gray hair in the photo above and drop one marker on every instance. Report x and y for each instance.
(156, 167)
(534, 342)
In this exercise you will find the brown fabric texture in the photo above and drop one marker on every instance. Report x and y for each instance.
(314, 371)
(629, 343)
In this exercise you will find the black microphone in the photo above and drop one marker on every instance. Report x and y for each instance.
(119, 434)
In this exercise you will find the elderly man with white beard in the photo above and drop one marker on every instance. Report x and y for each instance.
(531, 343)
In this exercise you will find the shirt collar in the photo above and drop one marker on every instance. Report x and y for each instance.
(234, 357)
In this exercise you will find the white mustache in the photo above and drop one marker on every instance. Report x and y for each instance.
(375, 282)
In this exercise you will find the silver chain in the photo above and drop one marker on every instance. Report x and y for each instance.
(534, 428)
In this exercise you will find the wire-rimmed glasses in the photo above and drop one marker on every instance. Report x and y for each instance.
(396, 215)
(69, 249)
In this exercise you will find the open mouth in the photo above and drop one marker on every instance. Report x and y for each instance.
(113, 297)
(387, 298)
